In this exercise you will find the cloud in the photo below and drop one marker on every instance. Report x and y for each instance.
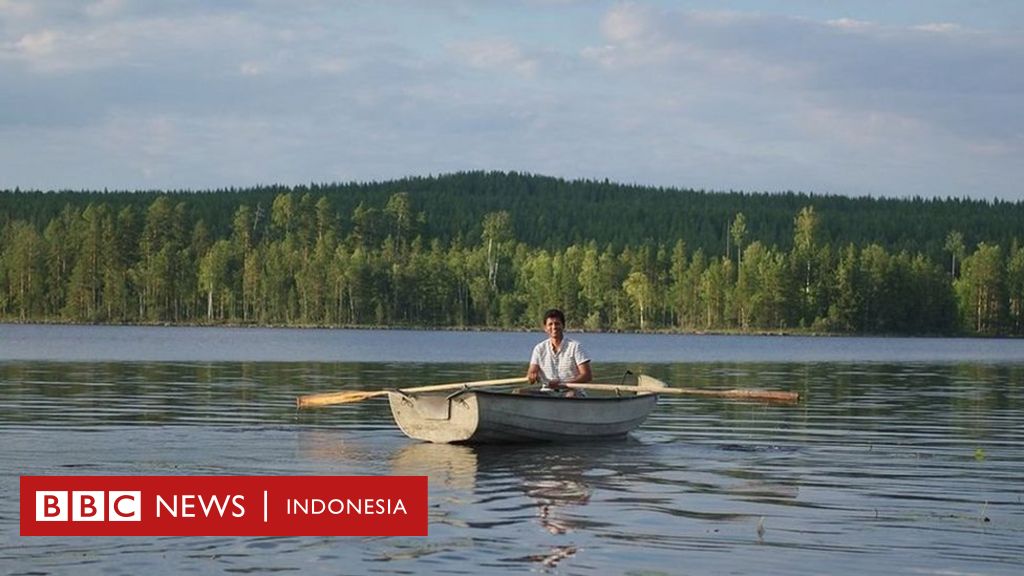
(917, 75)
(842, 104)
(208, 94)
(939, 27)
(332, 65)
(626, 24)
(864, 129)
(36, 45)
(850, 24)
(105, 8)
(16, 9)
(497, 54)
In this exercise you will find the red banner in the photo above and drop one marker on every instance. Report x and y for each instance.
(223, 505)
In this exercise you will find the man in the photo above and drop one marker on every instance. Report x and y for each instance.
(558, 360)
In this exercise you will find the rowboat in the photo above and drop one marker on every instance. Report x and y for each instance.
(474, 415)
(485, 416)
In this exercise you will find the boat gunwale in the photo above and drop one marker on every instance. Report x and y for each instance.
(541, 396)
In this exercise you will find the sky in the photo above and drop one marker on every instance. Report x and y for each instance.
(881, 98)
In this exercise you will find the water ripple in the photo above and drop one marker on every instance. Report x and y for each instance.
(886, 468)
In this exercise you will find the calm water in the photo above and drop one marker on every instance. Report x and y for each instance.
(907, 456)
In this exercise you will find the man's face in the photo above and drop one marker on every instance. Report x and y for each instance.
(554, 328)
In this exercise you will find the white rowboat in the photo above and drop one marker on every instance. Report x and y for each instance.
(482, 416)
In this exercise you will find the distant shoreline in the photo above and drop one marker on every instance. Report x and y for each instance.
(570, 330)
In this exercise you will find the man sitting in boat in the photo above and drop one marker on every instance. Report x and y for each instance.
(558, 360)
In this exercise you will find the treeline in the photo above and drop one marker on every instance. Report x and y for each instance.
(299, 260)
(553, 213)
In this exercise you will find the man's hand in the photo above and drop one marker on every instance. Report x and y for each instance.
(533, 374)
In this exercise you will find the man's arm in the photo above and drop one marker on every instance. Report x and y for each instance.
(584, 375)
(533, 373)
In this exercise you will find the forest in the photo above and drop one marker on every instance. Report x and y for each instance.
(495, 249)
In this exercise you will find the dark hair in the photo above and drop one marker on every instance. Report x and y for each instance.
(554, 313)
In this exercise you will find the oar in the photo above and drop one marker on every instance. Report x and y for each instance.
(649, 384)
(328, 398)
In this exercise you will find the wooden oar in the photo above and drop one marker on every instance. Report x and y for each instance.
(328, 398)
(648, 384)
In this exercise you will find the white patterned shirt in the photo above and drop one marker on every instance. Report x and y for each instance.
(562, 365)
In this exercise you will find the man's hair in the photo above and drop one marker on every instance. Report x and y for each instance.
(554, 313)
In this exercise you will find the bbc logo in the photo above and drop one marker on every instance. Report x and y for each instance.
(89, 506)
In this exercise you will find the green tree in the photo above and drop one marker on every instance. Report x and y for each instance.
(538, 284)
(402, 220)
(362, 284)
(279, 295)
(497, 237)
(955, 247)
(640, 292)
(738, 232)
(243, 230)
(367, 227)
(714, 289)
(284, 215)
(162, 247)
(567, 267)
(1015, 289)
(845, 313)
(314, 280)
(214, 279)
(243, 234)
(60, 258)
(593, 294)
(762, 288)
(805, 264)
(876, 297)
(23, 264)
(932, 304)
(252, 286)
(94, 241)
(691, 296)
(676, 280)
(457, 261)
(119, 284)
(981, 289)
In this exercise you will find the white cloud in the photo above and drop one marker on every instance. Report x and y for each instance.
(812, 95)
(627, 23)
(111, 40)
(36, 45)
(694, 45)
(331, 66)
(16, 9)
(850, 24)
(497, 54)
(874, 130)
(203, 94)
(251, 69)
(105, 8)
(939, 27)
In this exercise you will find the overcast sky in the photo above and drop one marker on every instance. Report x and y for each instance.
(870, 97)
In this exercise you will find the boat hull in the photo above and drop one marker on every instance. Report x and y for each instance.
(479, 416)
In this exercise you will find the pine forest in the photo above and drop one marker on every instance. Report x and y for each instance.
(493, 250)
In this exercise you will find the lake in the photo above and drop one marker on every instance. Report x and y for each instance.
(905, 457)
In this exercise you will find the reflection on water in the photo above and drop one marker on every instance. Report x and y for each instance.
(450, 465)
(554, 495)
(885, 468)
(552, 487)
